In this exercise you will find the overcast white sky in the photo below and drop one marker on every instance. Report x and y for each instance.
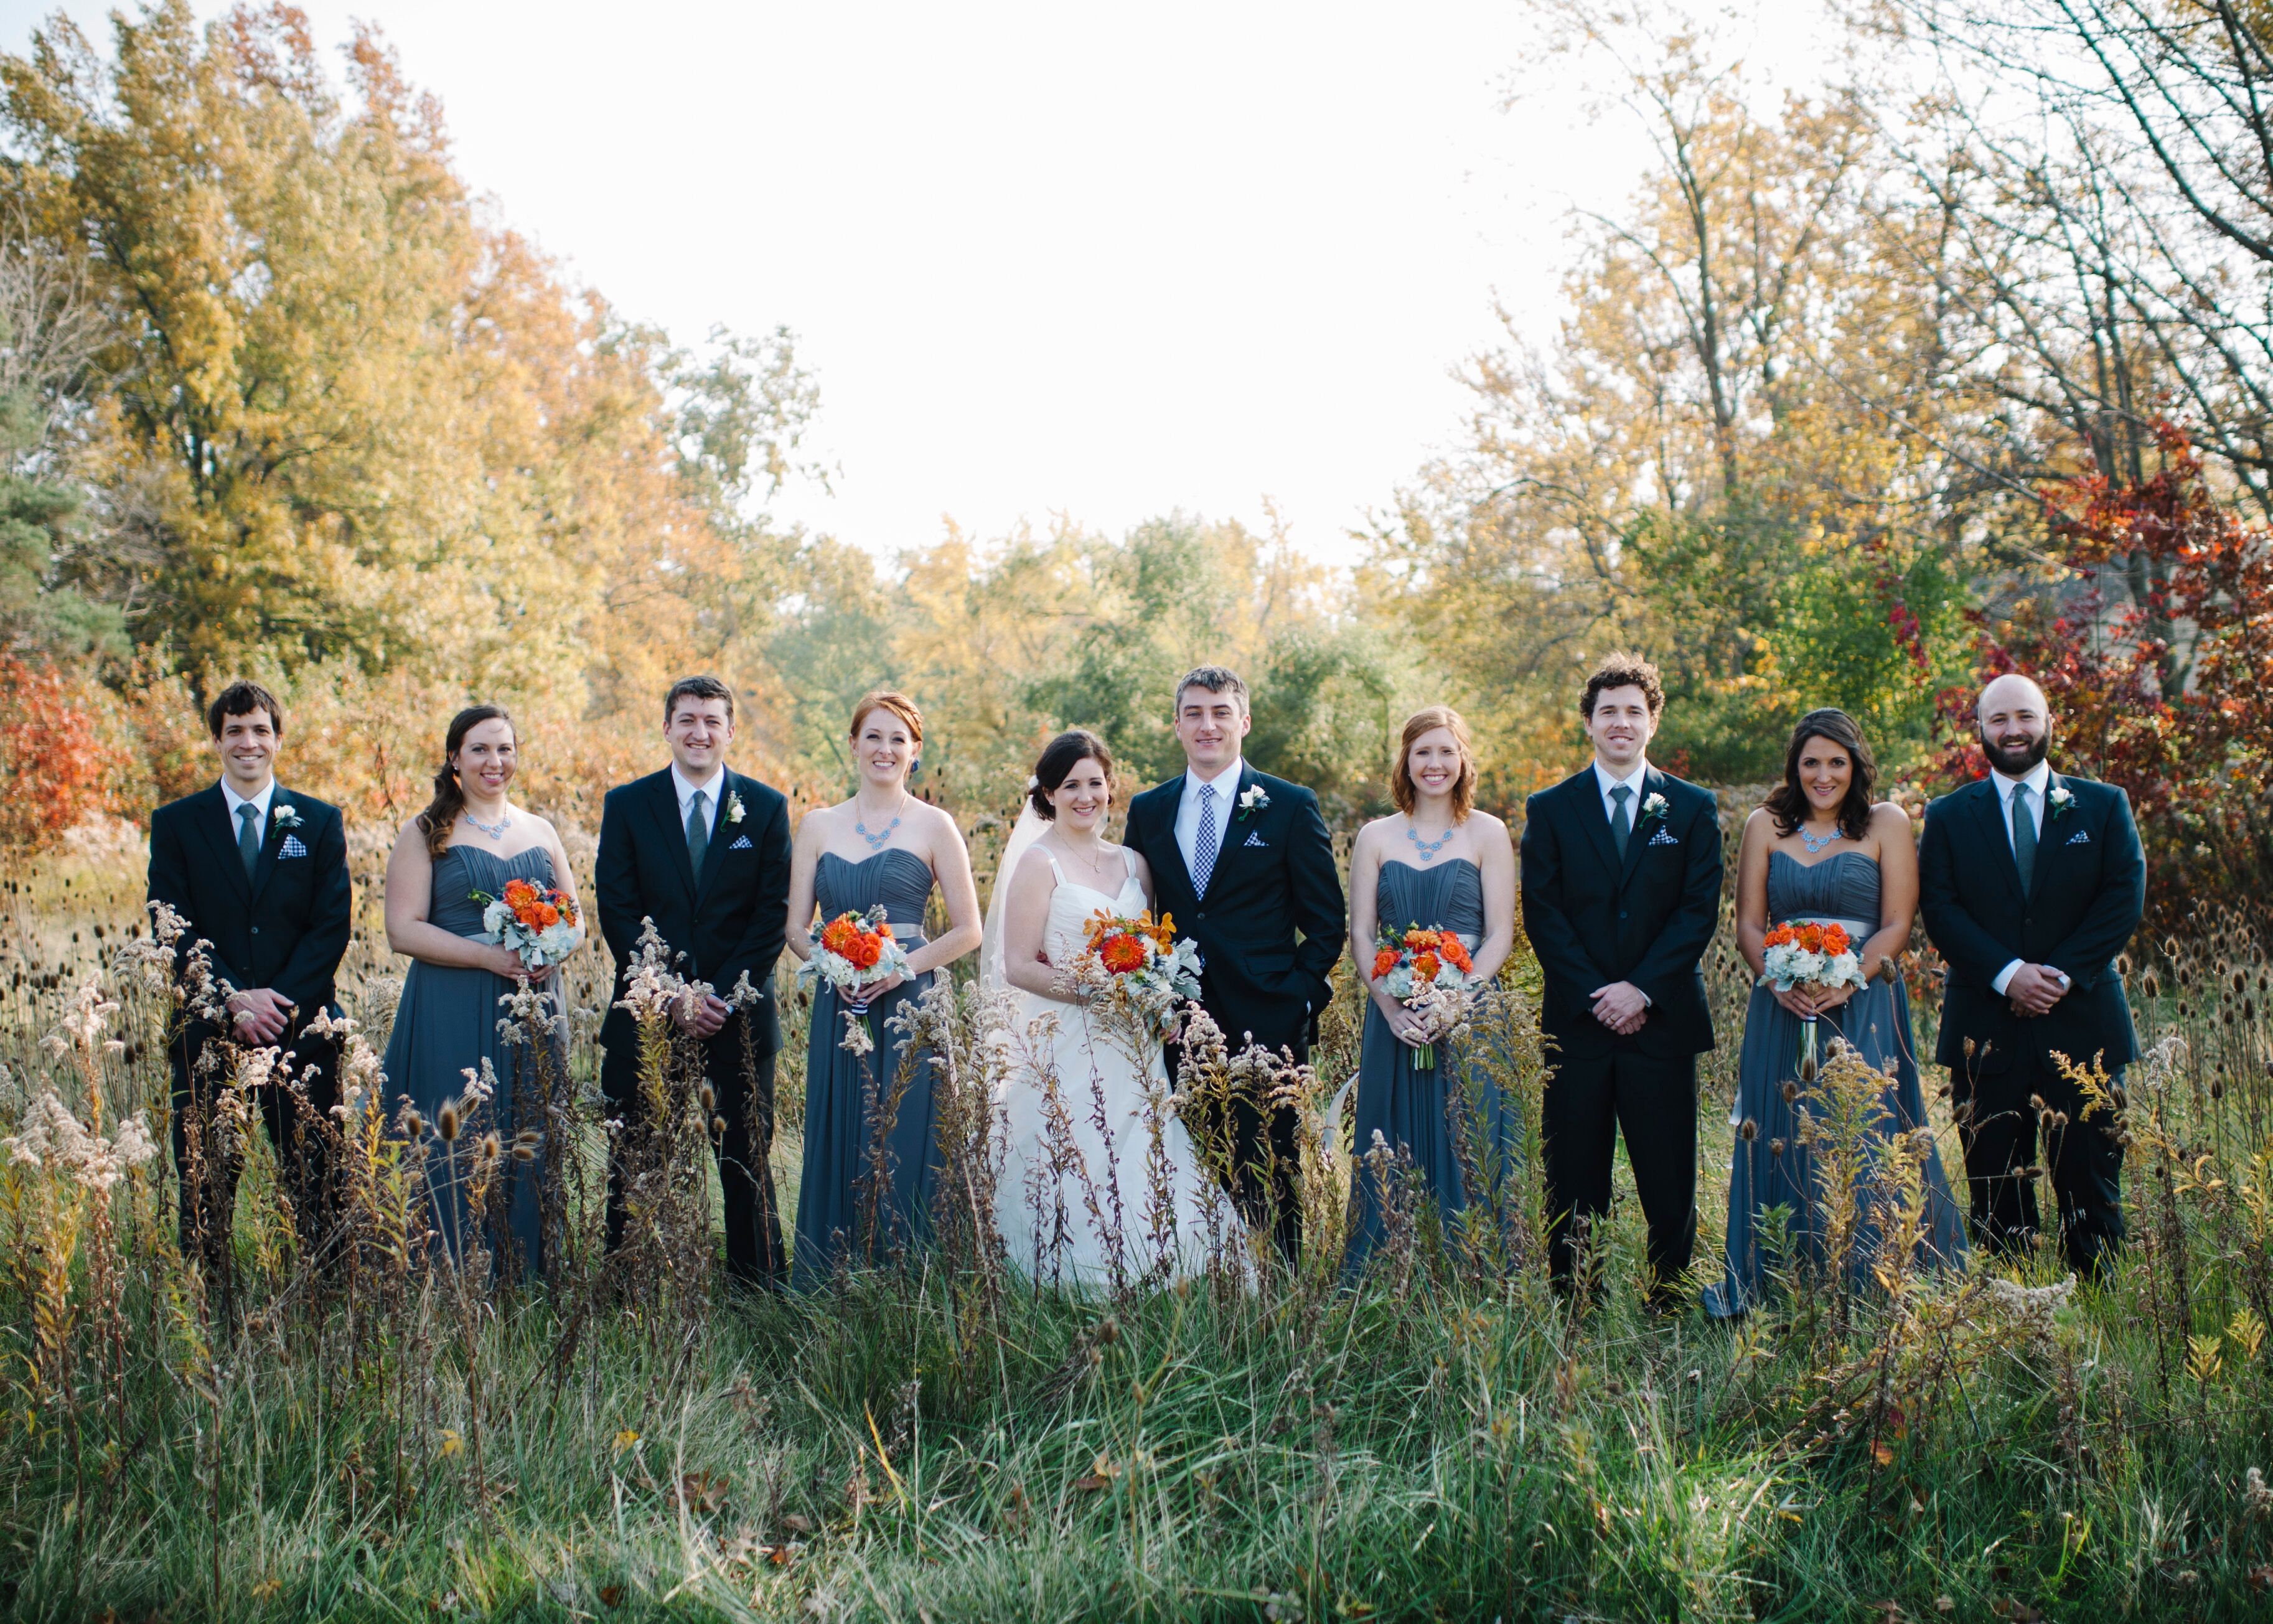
(1101, 261)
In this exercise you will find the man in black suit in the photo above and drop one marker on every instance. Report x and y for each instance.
(261, 873)
(1243, 862)
(1621, 896)
(2031, 882)
(703, 852)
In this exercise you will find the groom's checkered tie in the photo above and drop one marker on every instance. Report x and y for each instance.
(1204, 842)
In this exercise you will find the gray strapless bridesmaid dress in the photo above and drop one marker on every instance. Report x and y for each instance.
(1405, 1104)
(1773, 1168)
(834, 1226)
(446, 1022)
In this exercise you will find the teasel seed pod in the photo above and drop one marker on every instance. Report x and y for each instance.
(492, 1146)
(1969, 1048)
(1775, 1147)
(1748, 1130)
(1807, 1071)
(718, 1127)
(446, 1122)
(709, 1099)
(1790, 1091)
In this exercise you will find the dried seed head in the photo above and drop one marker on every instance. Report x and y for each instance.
(417, 1123)
(2217, 1087)
(1748, 1130)
(1775, 1147)
(1969, 1048)
(2151, 984)
(718, 1127)
(446, 1122)
(1807, 1072)
(523, 1151)
(709, 1099)
(1790, 1091)
(2060, 1119)
(492, 1146)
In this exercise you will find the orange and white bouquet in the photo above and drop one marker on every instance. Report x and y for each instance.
(851, 951)
(1139, 962)
(537, 922)
(1819, 957)
(1431, 973)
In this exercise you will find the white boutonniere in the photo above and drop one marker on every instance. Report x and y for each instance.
(285, 816)
(1253, 799)
(1653, 807)
(2059, 801)
(733, 806)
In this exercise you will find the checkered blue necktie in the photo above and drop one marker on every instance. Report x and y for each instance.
(1204, 842)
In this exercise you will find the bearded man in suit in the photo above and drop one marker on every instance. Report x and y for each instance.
(2030, 883)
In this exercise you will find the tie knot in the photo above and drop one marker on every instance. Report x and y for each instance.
(2021, 791)
(1207, 792)
(700, 795)
(246, 813)
(1622, 793)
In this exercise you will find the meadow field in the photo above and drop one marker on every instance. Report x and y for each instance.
(937, 1439)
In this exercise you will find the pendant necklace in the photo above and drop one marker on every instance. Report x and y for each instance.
(876, 841)
(1428, 848)
(1815, 843)
(495, 831)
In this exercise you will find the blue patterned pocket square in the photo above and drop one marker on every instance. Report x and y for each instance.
(1255, 840)
(2081, 836)
(1663, 838)
(291, 848)
(742, 845)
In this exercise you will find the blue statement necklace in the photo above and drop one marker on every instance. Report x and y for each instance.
(1815, 843)
(1427, 848)
(876, 841)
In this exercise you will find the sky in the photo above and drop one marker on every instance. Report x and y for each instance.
(1102, 261)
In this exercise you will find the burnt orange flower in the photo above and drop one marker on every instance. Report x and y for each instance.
(1385, 961)
(1122, 953)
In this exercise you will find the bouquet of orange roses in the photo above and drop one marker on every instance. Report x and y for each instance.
(1428, 972)
(1819, 957)
(537, 922)
(1140, 961)
(851, 951)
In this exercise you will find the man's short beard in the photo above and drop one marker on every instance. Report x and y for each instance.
(2025, 762)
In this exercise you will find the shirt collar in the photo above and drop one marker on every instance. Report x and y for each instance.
(2036, 779)
(233, 800)
(1225, 782)
(1604, 782)
(686, 787)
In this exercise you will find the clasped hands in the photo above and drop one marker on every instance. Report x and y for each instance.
(1622, 1007)
(2035, 988)
(261, 1014)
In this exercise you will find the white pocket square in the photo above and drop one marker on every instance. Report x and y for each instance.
(1663, 838)
(1255, 839)
(291, 847)
(742, 845)
(2081, 836)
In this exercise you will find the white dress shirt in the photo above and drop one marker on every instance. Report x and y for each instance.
(1605, 783)
(2038, 778)
(713, 788)
(1187, 809)
(259, 801)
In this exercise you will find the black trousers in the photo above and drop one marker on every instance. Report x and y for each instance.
(2003, 1132)
(745, 1088)
(295, 1113)
(1265, 1184)
(1592, 1098)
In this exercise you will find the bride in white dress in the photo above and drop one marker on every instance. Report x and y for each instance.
(1100, 1182)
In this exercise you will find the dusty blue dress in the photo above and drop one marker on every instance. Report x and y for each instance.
(1773, 1168)
(842, 1214)
(1406, 1105)
(447, 1021)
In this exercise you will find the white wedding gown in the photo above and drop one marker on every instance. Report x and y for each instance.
(1082, 1199)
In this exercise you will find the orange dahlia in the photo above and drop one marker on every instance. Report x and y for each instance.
(839, 935)
(1384, 962)
(1122, 953)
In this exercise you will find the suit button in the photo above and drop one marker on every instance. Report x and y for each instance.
(1201, 915)
(256, 930)
(1621, 913)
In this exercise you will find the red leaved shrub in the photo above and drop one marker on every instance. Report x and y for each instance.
(62, 752)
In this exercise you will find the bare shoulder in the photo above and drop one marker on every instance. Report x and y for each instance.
(412, 836)
(1760, 826)
(933, 820)
(1371, 835)
(1488, 824)
(818, 823)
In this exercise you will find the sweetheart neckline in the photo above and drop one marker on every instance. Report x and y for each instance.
(862, 862)
(1398, 863)
(1820, 863)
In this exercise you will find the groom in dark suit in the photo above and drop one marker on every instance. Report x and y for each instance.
(2031, 884)
(704, 854)
(261, 873)
(1243, 862)
(1621, 896)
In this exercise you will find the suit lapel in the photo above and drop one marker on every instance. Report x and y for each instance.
(217, 825)
(1653, 783)
(722, 835)
(1171, 854)
(271, 840)
(2046, 844)
(665, 804)
(1990, 812)
(1235, 829)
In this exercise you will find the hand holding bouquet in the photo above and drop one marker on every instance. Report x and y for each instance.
(1139, 962)
(854, 951)
(1817, 959)
(536, 921)
(1429, 973)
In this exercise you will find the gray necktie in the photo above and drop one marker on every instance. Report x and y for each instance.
(2024, 837)
(698, 831)
(1204, 842)
(248, 837)
(1621, 825)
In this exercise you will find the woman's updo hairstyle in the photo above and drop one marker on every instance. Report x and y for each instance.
(440, 816)
(1060, 756)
